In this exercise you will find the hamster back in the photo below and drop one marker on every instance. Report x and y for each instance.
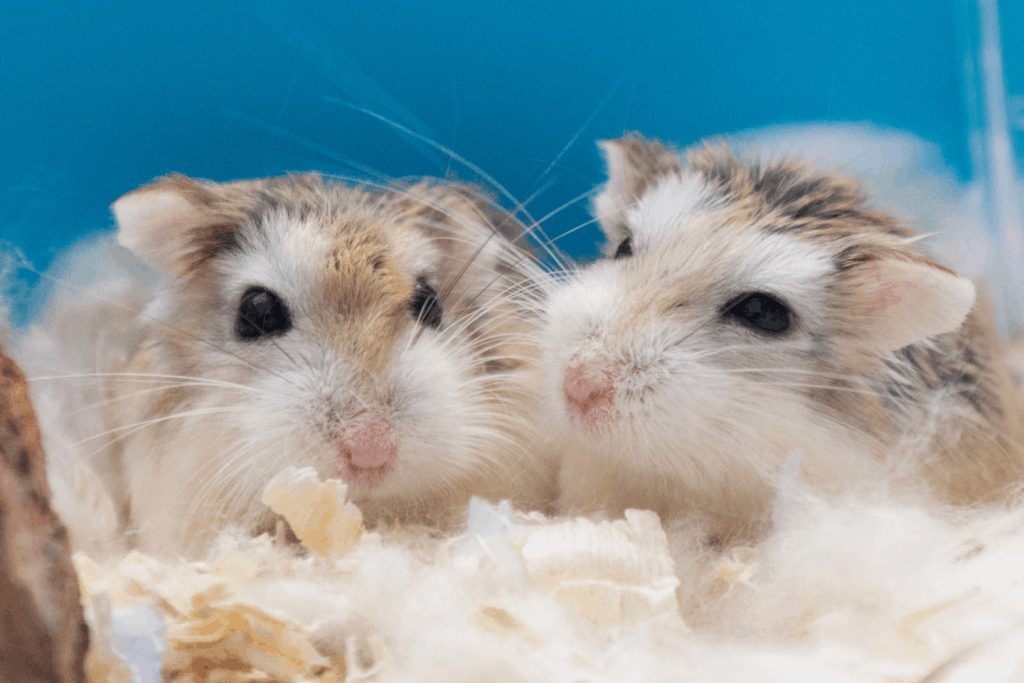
(380, 336)
(744, 310)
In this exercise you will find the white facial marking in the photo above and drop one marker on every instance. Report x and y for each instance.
(660, 211)
(779, 264)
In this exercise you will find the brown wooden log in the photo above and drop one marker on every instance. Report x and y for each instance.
(43, 636)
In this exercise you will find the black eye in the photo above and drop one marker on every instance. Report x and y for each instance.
(760, 312)
(625, 248)
(426, 306)
(261, 312)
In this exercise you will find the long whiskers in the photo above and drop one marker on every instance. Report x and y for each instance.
(146, 377)
(143, 392)
(130, 429)
(465, 162)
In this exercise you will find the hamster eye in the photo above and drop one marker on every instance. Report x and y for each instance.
(261, 312)
(625, 248)
(426, 305)
(760, 312)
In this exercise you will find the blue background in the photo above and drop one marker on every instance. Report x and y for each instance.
(99, 98)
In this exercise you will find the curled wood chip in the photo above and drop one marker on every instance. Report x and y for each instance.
(608, 572)
(315, 510)
(240, 637)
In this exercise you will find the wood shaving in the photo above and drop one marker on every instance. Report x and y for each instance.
(608, 572)
(316, 511)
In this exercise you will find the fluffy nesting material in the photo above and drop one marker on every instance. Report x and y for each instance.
(851, 591)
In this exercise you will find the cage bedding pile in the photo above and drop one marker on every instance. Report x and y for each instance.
(856, 590)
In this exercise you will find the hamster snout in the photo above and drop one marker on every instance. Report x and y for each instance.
(590, 390)
(366, 451)
(745, 309)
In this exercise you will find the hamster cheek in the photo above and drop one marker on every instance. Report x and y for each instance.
(280, 423)
(441, 416)
(291, 413)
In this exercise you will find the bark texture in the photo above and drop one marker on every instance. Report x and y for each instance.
(43, 636)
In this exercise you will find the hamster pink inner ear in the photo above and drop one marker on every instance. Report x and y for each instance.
(905, 300)
(153, 222)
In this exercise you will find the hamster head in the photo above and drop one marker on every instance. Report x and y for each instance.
(736, 313)
(368, 334)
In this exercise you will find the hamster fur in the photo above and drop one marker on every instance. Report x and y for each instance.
(743, 310)
(381, 337)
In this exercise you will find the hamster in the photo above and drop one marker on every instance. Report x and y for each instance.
(744, 312)
(381, 336)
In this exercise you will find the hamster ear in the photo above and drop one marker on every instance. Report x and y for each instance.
(904, 300)
(633, 164)
(170, 222)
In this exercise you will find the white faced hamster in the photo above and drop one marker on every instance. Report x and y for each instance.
(377, 336)
(743, 310)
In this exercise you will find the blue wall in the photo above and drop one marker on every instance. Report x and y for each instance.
(100, 97)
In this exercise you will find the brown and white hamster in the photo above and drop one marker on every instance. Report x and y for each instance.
(743, 310)
(379, 336)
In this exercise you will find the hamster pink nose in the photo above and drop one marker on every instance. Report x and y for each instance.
(589, 389)
(366, 447)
